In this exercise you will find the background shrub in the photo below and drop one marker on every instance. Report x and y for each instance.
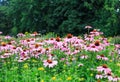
(59, 16)
(116, 40)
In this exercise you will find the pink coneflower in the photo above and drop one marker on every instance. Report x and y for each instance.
(80, 65)
(64, 49)
(34, 34)
(75, 51)
(9, 43)
(0, 32)
(95, 32)
(19, 49)
(48, 50)
(41, 51)
(69, 35)
(83, 56)
(116, 79)
(20, 35)
(50, 63)
(89, 38)
(23, 56)
(3, 44)
(99, 76)
(22, 59)
(62, 59)
(8, 37)
(58, 39)
(104, 69)
(88, 27)
(51, 56)
(68, 52)
(106, 43)
(97, 43)
(100, 69)
(119, 51)
(109, 76)
(36, 46)
(92, 48)
(50, 41)
(5, 55)
(118, 48)
(102, 57)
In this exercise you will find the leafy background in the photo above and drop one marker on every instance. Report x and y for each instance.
(59, 16)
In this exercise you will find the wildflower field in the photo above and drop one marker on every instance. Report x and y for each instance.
(31, 57)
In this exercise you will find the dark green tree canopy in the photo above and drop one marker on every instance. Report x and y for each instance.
(61, 16)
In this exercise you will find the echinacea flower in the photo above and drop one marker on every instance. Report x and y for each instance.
(97, 43)
(98, 80)
(116, 79)
(102, 57)
(83, 56)
(58, 39)
(1, 32)
(89, 38)
(20, 35)
(80, 65)
(62, 59)
(3, 44)
(92, 47)
(109, 76)
(50, 63)
(99, 76)
(100, 68)
(104, 68)
(69, 35)
(8, 37)
(88, 27)
(95, 32)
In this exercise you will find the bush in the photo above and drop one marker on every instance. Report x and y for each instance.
(116, 40)
(63, 16)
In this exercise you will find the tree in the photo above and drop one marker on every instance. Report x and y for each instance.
(62, 16)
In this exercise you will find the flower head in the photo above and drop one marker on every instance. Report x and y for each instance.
(0, 32)
(69, 78)
(58, 39)
(53, 78)
(69, 35)
(41, 69)
(88, 27)
(99, 76)
(97, 43)
(50, 63)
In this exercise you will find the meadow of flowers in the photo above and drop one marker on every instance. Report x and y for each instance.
(30, 57)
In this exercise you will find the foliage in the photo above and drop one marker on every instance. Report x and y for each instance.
(116, 40)
(5, 22)
(85, 59)
(61, 16)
